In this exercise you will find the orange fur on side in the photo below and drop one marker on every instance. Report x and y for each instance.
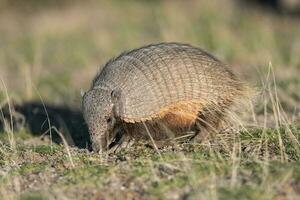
(181, 114)
(172, 121)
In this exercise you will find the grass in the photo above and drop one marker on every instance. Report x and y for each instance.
(193, 171)
(51, 52)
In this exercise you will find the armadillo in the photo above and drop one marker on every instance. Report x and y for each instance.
(158, 92)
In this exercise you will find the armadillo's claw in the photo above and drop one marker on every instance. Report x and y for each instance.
(124, 142)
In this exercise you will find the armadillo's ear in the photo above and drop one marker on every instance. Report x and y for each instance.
(82, 93)
(116, 98)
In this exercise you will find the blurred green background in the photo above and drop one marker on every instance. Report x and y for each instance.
(57, 46)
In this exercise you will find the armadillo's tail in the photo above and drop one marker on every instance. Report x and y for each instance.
(241, 114)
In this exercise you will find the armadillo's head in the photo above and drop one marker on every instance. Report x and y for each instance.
(97, 105)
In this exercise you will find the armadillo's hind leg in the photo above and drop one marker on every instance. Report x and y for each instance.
(207, 125)
(201, 135)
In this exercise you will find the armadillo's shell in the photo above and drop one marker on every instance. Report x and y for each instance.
(154, 77)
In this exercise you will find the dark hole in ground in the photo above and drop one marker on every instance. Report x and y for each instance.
(32, 116)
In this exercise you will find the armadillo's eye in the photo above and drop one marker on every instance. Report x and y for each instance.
(108, 120)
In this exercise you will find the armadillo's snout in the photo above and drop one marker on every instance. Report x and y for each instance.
(105, 139)
(100, 138)
(100, 144)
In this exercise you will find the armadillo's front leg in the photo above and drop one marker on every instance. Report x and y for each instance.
(122, 140)
(125, 142)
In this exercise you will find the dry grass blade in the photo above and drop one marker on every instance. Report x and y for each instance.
(65, 143)
(10, 130)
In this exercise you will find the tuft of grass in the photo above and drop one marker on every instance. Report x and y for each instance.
(46, 150)
(32, 196)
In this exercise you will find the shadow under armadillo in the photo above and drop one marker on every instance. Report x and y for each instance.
(37, 118)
